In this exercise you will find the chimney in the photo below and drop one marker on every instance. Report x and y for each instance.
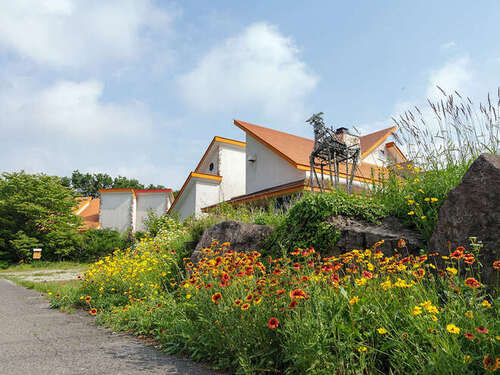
(347, 138)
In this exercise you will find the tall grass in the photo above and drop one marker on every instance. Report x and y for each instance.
(451, 131)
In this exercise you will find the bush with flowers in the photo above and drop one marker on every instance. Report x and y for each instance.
(359, 312)
(415, 195)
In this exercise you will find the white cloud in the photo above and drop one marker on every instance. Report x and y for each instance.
(75, 33)
(71, 109)
(455, 75)
(69, 125)
(258, 69)
(448, 45)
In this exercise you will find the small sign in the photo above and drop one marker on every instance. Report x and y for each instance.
(37, 253)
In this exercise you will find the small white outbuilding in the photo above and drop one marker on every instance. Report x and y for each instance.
(124, 209)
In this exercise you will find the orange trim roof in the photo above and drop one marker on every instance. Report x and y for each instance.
(222, 140)
(90, 213)
(370, 141)
(115, 190)
(296, 150)
(392, 145)
(82, 204)
(275, 191)
(191, 175)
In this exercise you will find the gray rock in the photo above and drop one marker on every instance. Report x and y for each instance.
(472, 209)
(360, 234)
(243, 237)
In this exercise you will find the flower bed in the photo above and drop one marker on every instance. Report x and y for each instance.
(360, 312)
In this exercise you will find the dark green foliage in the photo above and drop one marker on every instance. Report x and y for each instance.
(36, 211)
(304, 225)
(100, 242)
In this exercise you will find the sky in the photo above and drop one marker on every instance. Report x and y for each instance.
(139, 88)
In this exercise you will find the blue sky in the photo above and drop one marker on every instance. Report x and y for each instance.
(139, 88)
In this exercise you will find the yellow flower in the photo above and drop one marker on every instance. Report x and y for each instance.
(434, 318)
(469, 314)
(411, 213)
(386, 284)
(361, 281)
(416, 310)
(485, 303)
(423, 217)
(362, 349)
(434, 199)
(451, 270)
(452, 328)
(354, 300)
(420, 190)
(416, 180)
(427, 199)
(382, 331)
(466, 358)
(411, 201)
(188, 296)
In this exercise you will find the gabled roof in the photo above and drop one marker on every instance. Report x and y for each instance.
(221, 140)
(202, 176)
(296, 150)
(88, 210)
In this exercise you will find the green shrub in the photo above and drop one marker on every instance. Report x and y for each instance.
(100, 242)
(305, 223)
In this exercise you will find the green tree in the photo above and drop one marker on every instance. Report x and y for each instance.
(37, 210)
(89, 184)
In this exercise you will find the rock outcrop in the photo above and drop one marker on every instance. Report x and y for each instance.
(472, 209)
(242, 236)
(359, 234)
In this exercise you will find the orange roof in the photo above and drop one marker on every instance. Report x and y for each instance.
(296, 150)
(89, 212)
(82, 203)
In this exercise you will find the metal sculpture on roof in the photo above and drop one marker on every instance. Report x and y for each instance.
(331, 149)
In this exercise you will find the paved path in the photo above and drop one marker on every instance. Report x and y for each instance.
(35, 339)
(38, 276)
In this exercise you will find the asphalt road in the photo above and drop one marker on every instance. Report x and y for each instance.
(35, 339)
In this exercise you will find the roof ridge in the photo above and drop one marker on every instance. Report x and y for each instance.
(305, 138)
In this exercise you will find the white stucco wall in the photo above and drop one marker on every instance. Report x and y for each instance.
(115, 210)
(199, 194)
(146, 202)
(232, 161)
(342, 181)
(212, 157)
(377, 157)
(186, 205)
(207, 193)
(268, 170)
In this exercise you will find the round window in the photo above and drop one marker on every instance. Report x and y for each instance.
(211, 167)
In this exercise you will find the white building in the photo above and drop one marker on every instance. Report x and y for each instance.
(219, 176)
(124, 209)
(272, 163)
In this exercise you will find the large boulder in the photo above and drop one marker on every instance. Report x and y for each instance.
(472, 209)
(243, 237)
(360, 234)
